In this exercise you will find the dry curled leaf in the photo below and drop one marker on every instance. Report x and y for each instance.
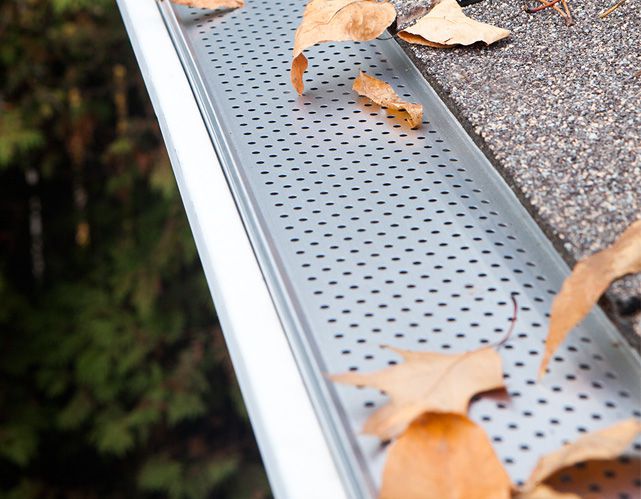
(446, 25)
(383, 94)
(427, 382)
(588, 281)
(607, 443)
(211, 4)
(444, 456)
(336, 21)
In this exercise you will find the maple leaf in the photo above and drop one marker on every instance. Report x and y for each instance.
(211, 4)
(427, 382)
(446, 25)
(336, 21)
(604, 444)
(607, 443)
(383, 94)
(588, 281)
(443, 456)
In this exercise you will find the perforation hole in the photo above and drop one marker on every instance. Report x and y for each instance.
(393, 236)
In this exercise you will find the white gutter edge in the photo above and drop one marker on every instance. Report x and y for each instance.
(294, 450)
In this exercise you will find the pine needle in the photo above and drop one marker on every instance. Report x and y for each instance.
(606, 13)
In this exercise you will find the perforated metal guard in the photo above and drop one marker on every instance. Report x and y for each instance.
(370, 233)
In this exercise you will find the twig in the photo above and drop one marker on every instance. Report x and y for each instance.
(551, 4)
(532, 10)
(558, 9)
(612, 9)
(569, 21)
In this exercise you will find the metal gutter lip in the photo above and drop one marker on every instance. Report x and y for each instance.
(294, 450)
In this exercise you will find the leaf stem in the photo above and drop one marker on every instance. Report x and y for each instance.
(515, 309)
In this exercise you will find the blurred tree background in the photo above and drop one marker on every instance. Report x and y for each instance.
(114, 379)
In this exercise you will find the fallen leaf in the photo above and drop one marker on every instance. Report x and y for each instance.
(337, 21)
(211, 4)
(545, 492)
(588, 281)
(607, 443)
(444, 456)
(621, 473)
(427, 382)
(446, 25)
(383, 94)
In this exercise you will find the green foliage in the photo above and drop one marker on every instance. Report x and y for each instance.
(166, 475)
(160, 474)
(114, 381)
(18, 443)
(15, 138)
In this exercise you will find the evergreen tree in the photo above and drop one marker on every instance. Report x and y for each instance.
(114, 380)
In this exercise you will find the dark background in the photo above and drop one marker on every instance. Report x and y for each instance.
(114, 378)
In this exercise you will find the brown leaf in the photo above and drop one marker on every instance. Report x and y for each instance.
(608, 443)
(545, 492)
(337, 21)
(299, 66)
(588, 281)
(383, 94)
(211, 4)
(444, 456)
(427, 382)
(446, 25)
